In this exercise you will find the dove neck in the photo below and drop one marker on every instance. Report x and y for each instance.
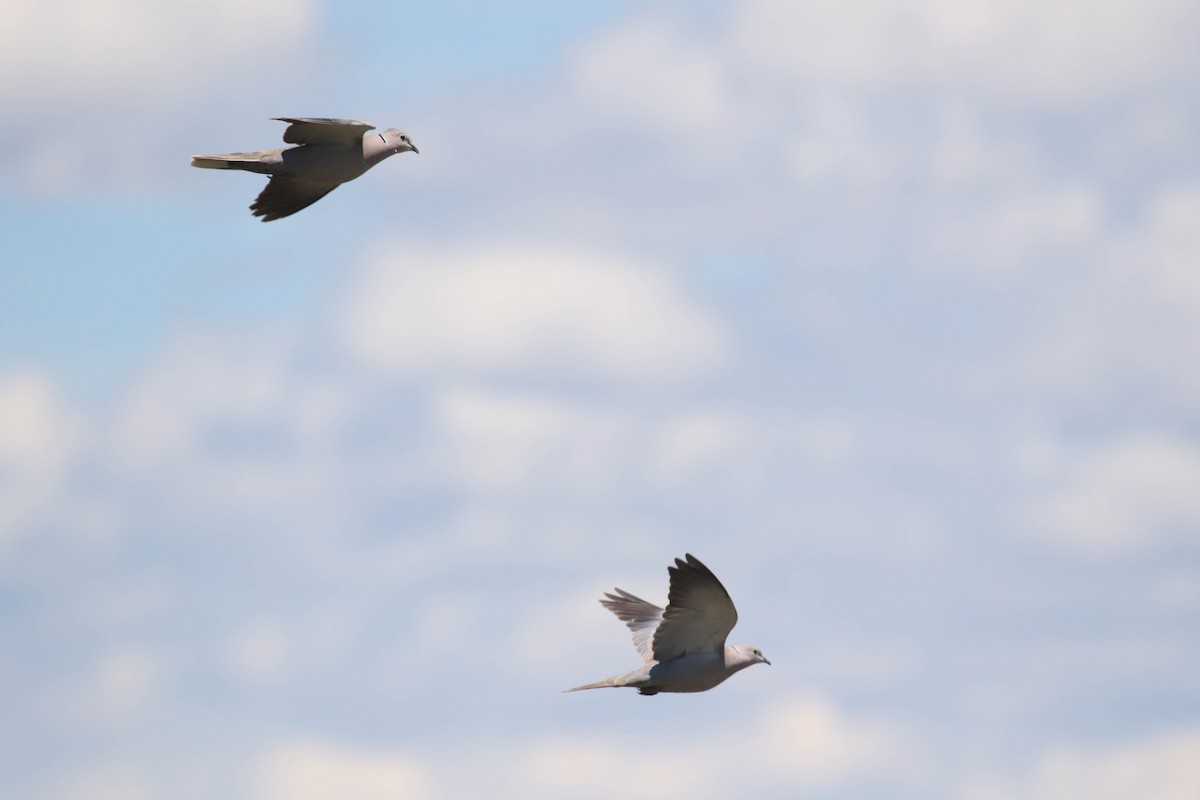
(736, 658)
(375, 149)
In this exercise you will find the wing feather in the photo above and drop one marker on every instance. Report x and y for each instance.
(323, 130)
(284, 196)
(641, 617)
(699, 615)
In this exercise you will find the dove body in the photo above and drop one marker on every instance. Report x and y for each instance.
(327, 153)
(695, 672)
(683, 646)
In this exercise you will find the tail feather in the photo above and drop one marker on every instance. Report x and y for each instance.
(251, 162)
(597, 685)
(635, 677)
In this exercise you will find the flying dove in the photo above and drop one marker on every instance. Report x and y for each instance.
(328, 153)
(684, 646)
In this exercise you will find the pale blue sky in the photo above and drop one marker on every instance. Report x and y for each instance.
(888, 314)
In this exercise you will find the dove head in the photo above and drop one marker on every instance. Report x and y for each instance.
(744, 655)
(398, 141)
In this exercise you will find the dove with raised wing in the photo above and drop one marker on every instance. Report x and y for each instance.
(683, 646)
(327, 153)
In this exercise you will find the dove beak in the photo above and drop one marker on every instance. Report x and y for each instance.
(415, 150)
(768, 663)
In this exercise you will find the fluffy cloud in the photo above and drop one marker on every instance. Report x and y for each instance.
(1158, 767)
(200, 382)
(1125, 313)
(318, 770)
(1124, 495)
(230, 417)
(255, 653)
(653, 71)
(496, 442)
(804, 742)
(1020, 229)
(809, 742)
(714, 86)
(109, 781)
(694, 442)
(1064, 51)
(93, 93)
(503, 309)
(728, 449)
(39, 439)
(1166, 248)
(111, 691)
(80, 48)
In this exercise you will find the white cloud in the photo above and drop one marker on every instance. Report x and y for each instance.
(810, 742)
(128, 677)
(1157, 767)
(79, 48)
(694, 442)
(224, 427)
(207, 391)
(123, 780)
(575, 624)
(199, 382)
(1064, 50)
(1125, 319)
(504, 442)
(585, 768)
(651, 71)
(737, 450)
(256, 652)
(1125, 495)
(1177, 590)
(112, 691)
(37, 433)
(803, 742)
(96, 96)
(835, 141)
(319, 770)
(499, 309)
(966, 151)
(804, 82)
(1166, 249)
(39, 438)
(1008, 232)
(801, 82)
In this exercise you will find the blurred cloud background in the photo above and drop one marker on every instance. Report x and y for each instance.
(888, 311)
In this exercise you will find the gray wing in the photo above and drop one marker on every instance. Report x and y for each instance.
(699, 615)
(285, 195)
(322, 130)
(641, 617)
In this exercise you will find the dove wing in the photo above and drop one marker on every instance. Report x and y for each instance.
(641, 617)
(285, 195)
(699, 614)
(323, 130)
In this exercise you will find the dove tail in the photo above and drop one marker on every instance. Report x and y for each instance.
(597, 685)
(637, 678)
(248, 161)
